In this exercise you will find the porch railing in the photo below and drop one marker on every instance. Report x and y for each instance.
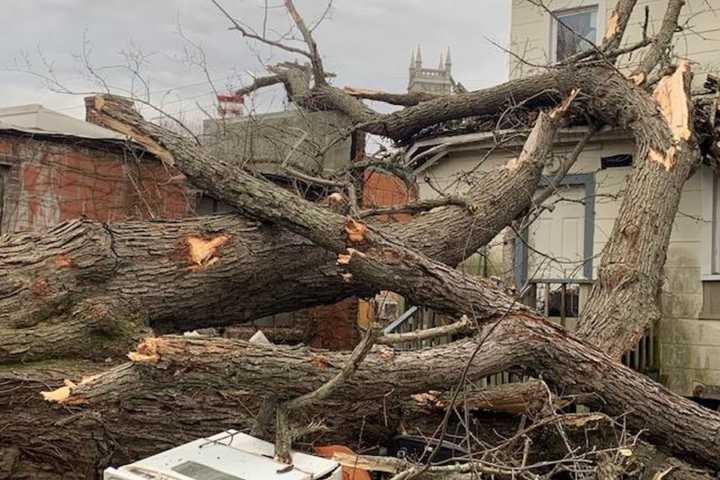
(561, 300)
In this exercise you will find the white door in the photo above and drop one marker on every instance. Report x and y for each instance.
(557, 237)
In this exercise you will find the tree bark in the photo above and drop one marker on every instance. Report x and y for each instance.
(386, 262)
(57, 286)
(624, 300)
(172, 373)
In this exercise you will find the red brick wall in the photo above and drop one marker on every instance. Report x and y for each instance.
(47, 182)
(384, 190)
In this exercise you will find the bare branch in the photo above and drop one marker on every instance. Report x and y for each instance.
(464, 325)
(415, 207)
(258, 83)
(254, 36)
(314, 55)
(401, 99)
(660, 43)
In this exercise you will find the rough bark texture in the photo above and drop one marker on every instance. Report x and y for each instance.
(172, 373)
(88, 289)
(127, 411)
(56, 285)
(624, 300)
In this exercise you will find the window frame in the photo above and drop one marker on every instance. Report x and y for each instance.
(586, 181)
(598, 5)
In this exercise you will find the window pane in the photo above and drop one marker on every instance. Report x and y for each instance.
(572, 27)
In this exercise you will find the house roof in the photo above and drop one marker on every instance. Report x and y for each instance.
(36, 119)
(426, 153)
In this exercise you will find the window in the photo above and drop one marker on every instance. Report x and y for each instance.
(208, 205)
(572, 30)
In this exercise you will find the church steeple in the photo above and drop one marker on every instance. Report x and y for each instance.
(433, 80)
(448, 61)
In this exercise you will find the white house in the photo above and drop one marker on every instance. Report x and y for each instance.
(564, 244)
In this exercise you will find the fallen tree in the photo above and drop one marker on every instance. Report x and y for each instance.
(89, 290)
(210, 379)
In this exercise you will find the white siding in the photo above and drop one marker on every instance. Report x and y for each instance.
(689, 347)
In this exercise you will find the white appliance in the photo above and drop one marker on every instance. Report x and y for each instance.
(229, 455)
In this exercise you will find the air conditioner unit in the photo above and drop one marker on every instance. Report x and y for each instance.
(229, 455)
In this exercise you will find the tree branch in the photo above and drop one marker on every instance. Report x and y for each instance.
(314, 55)
(660, 43)
(254, 36)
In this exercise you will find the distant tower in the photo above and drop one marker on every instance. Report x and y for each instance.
(430, 80)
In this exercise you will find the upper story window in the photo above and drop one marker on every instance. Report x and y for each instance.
(572, 30)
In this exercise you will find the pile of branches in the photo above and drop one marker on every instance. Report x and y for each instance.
(105, 287)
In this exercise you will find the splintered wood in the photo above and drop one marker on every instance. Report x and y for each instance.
(355, 230)
(147, 352)
(62, 394)
(612, 26)
(202, 251)
(671, 96)
(103, 117)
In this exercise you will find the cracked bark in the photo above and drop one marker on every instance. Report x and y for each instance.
(147, 269)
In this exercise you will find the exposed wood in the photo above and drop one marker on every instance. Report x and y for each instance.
(464, 325)
(144, 266)
(617, 24)
(624, 301)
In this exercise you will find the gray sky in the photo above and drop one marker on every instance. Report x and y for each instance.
(367, 43)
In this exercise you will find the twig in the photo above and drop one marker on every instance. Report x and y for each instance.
(464, 325)
(246, 33)
(414, 207)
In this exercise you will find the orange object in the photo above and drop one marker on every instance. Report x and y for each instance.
(348, 473)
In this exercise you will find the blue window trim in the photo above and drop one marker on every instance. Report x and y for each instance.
(586, 180)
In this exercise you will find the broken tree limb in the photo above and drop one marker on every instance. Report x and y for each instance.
(149, 268)
(283, 435)
(182, 364)
(624, 300)
(261, 199)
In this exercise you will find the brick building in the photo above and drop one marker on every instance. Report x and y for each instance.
(54, 168)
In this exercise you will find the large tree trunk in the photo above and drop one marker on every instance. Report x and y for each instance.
(624, 300)
(123, 412)
(88, 289)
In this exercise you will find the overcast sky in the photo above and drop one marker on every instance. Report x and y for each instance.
(367, 43)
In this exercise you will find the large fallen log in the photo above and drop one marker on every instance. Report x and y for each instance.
(378, 259)
(213, 381)
(88, 289)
